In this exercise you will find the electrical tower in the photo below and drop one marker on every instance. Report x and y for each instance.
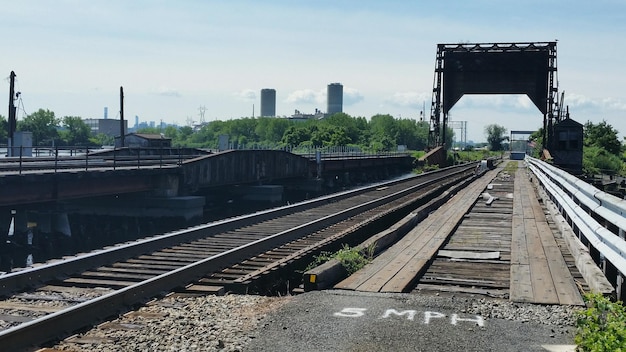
(460, 125)
(202, 110)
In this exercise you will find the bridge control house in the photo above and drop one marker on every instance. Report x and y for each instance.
(567, 148)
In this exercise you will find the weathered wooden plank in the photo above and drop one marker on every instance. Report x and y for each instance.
(543, 285)
(99, 282)
(416, 264)
(564, 283)
(6, 305)
(397, 267)
(492, 292)
(519, 250)
(468, 255)
(521, 289)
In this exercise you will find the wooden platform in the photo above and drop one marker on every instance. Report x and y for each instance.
(539, 273)
(503, 248)
(397, 269)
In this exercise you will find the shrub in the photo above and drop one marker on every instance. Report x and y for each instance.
(602, 326)
(352, 259)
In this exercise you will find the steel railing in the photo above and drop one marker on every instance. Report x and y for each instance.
(81, 158)
(596, 217)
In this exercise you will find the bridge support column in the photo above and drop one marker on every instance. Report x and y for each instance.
(54, 223)
(5, 223)
(167, 186)
(6, 263)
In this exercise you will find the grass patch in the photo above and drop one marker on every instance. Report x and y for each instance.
(352, 259)
(511, 167)
(602, 326)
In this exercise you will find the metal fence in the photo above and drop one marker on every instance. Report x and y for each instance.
(596, 217)
(26, 159)
(53, 159)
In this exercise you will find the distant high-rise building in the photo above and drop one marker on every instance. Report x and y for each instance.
(268, 102)
(106, 112)
(334, 98)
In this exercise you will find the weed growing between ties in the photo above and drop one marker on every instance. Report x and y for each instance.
(352, 259)
(602, 326)
(511, 167)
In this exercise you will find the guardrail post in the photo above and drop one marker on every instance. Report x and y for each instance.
(56, 158)
(21, 159)
(618, 285)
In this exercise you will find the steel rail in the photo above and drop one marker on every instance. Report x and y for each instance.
(65, 321)
(36, 275)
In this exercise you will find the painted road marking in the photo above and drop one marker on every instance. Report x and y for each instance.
(410, 314)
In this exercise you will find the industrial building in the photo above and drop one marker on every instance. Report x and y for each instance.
(108, 127)
(268, 102)
(334, 98)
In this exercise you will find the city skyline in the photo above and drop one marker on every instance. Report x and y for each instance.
(72, 57)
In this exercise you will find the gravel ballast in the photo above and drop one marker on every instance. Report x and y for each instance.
(258, 323)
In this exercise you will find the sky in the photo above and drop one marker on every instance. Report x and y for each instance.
(174, 57)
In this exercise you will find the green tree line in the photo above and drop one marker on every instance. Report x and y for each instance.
(380, 133)
(603, 151)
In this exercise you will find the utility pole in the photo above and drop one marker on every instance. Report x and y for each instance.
(12, 120)
(121, 117)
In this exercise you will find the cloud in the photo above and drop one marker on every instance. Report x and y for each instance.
(582, 102)
(168, 92)
(351, 96)
(307, 96)
(413, 100)
(246, 94)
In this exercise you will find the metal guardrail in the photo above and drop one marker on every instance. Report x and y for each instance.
(55, 159)
(591, 213)
(64, 158)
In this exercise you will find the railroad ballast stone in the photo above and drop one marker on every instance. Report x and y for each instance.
(206, 323)
(231, 322)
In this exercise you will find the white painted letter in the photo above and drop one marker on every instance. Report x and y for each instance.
(351, 312)
(479, 320)
(430, 315)
(410, 313)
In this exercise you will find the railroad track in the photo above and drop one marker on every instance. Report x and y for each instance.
(492, 238)
(477, 257)
(52, 300)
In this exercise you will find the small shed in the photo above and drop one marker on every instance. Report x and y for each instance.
(567, 148)
(143, 140)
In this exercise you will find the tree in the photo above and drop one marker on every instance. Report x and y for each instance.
(270, 130)
(296, 135)
(348, 124)
(384, 131)
(598, 160)
(495, 136)
(4, 127)
(603, 136)
(43, 124)
(102, 139)
(76, 131)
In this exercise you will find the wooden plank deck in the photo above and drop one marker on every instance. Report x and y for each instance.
(396, 269)
(530, 265)
(539, 273)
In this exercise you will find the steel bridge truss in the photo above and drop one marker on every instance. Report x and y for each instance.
(495, 68)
